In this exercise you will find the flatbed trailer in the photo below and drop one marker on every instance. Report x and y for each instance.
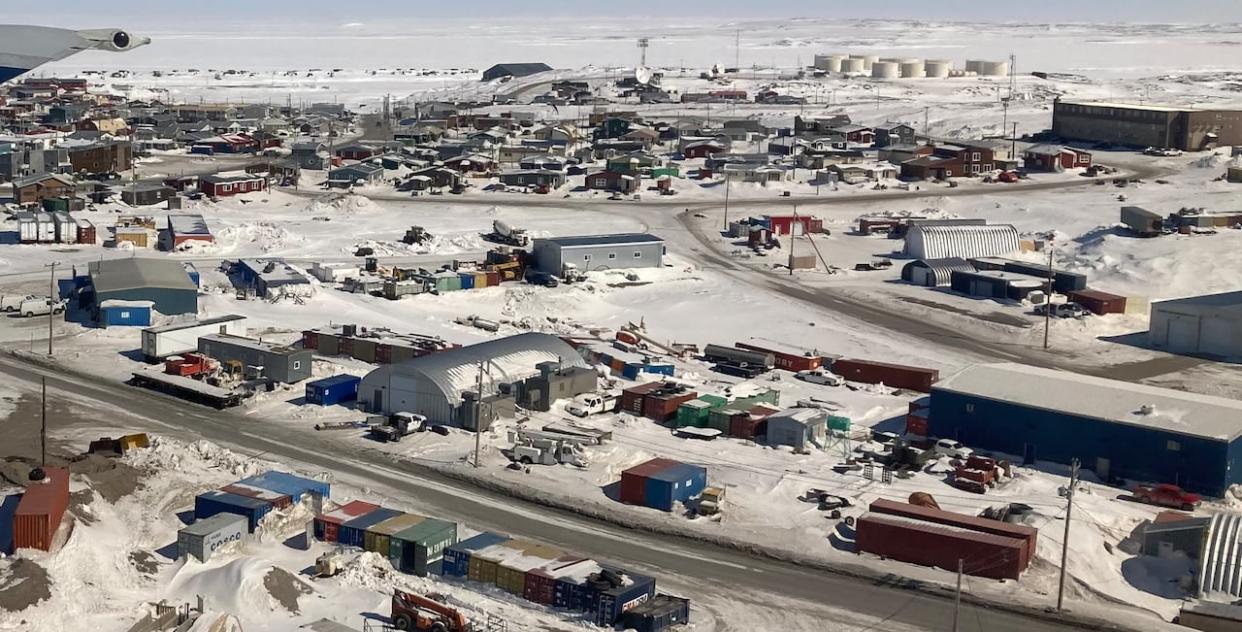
(188, 389)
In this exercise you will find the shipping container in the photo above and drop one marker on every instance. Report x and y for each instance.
(208, 504)
(363, 349)
(720, 353)
(540, 584)
(201, 539)
(632, 398)
(493, 278)
(328, 344)
(296, 487)
(894, 375)
(676, 484)
(310, 340)
(571, 591)
(694, 413)
(787, 360)
(377, 538)
(334, 390)
(633, 487)
(66, 227)
(179, 338)
(485, 561)
(328, 525)
(419, 549)
(608, 603)
(1099, 303)
(466, 279)
(748, 427)
(1062, 280)
(275, 499)
(39, 512)
(511, 571)
(480, 280)
(930, 544)
(8, 507)
(457, 556)
(1142, 221)
(353, 532)
(722, 418)
(1027, 534)
(657, 615)
(662, 403)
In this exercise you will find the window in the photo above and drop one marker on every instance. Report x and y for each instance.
(638, 254)
(586, 257)
(1173, 446)
(124, 314)
(974, 157)
(297, 364)
(612, 255)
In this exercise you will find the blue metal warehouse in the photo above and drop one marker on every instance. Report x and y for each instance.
(1114, 428)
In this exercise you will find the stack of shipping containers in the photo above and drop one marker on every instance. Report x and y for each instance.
(328, 525)
(353, 532)
(662, 483)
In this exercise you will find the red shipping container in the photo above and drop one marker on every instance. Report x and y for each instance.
(1099, 303)
(632, 398)
(787, 361)
(383, 353)
(345, 346)
(310, 340)
(633, 488)
(1029, 536)
(895, 375)
(328, 526)
(493, 278)
(663, 408)
(745, 427)
(929, 544)
(40, 510)
(916, 424)
(279, 501)
(540, 586)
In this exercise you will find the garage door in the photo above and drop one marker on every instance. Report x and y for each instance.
(922, 276)
(1216, 337)
(1183, 333)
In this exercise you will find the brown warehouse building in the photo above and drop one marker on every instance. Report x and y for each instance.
(1185, 128)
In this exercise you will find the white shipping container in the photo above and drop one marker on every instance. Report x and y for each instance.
(28, 228)
(66, 228)
(169, 340)
(46, 227)
(203, 538)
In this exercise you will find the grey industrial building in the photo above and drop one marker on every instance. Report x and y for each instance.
(444, 386)
(514, 70)
(280, 363)
(1209, 325)
(598, 252)
(1143, 125)
(163, 282)
(554, 382)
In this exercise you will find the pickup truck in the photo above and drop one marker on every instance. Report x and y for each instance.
(825, 378)
(1063, 310)
(592, 403)
(1166, 495)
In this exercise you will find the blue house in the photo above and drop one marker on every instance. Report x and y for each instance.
(1115, 429)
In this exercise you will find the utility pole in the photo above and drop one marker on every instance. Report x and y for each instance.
(1048, 296)
(1069, 506)
(43, 431)
(478, 415)
(925, 112)
(793, 229)
(1013, 143)
(957, 598)
(51, 300)
(737, 49)
(726, 214)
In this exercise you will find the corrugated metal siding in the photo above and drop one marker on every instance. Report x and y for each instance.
(963, 241)
(289, 484)
(457, 556)
(38, 514)
(926, 544)
(201, 539)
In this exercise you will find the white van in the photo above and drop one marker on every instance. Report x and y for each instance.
(12, 302)
(40, 306)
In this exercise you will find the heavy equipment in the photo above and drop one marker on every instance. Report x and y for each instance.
(416, 612)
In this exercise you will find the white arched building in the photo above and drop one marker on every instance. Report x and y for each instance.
(967, 241)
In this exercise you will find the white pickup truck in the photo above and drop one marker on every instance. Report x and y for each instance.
(593, 403)
(825, 378)
(40, 306)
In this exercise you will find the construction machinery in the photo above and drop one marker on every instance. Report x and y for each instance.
(710, 501)
(547, 448)
(416, 612)
(511, 235)
(416, 235)
(396, 426)
(108, 446)
(328, 564)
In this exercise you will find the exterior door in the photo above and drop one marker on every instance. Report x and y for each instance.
(1028, 454)
(797, 227)
(1183, 333)
(377, 401)
(1102, 468)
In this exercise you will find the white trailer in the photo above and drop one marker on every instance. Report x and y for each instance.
(46, 226)
(66, 228)
(27, 228)
(335, 272)
(161, 342)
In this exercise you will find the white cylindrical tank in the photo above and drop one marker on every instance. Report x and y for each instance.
(994, 69)
(938, 68)
(912, 68)
(897, 60)
(867, 60)
(885, 70)
(853, 64)
(974, 65)
(831, 63)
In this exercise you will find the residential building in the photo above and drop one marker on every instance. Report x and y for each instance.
(612, 181)
(533, 178)
(185, 228)
(34, 189)
(890, 134)
(360, 174)
(1054, 158)
(146, 193)
(108, 156)
(224, 185)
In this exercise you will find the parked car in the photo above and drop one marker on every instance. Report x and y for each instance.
(1162, 151)
(541, 278)
(12, 302)
(1063, 310)
(1167, 495)
(826, 378)
(40, 306)
(954, 449)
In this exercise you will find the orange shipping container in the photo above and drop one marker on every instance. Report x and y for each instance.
(40, 510)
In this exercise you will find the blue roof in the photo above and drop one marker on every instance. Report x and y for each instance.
(483, 540)
(373, 518)
(334, 380)
(288, 484)
(236, 500)
(674, 473)
(604, 240)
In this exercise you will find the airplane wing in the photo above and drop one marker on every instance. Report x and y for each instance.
(23, 48)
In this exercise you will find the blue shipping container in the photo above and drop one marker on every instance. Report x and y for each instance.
(334, 390)
(289, 484)
(457, 557)
(608, 605)
(467, 280)
(193, 273)
(208, 504)
(8, 508)
(124, 316)
(352, 533)
(678, 483)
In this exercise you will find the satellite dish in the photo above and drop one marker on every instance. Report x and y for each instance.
(643, 75)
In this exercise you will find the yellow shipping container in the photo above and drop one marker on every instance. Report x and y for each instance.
(378, 537)
(511, 572)
(480, 279)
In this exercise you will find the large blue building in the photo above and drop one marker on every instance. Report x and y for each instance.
(1115, 429)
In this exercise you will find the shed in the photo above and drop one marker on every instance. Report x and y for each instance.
(1208, 325)
(934, 272)
(798, 427)
(1115, 428)
(119, 313)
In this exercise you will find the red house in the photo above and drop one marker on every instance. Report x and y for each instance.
(702, 149)
(856, 134)
(785, 224)
(216, 185)
(612, 181)
(357, 151)
(1054, 158)
(231, 144)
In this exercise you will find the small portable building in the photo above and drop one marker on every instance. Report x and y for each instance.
(201, 539)
(334, 390)
(799, 428)
(119, 313)
(182, 337)
(327, 525)
(280, 363)
(184, 228)
(1208, 325)
(208, 504)
(1143, 222)
(457, 555)
(39, 512)
(678, 483)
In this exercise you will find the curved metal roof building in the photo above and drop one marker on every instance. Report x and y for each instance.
(941, 241)
(433, 385)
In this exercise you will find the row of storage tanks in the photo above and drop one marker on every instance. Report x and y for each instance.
(908, 67)
(422, 545)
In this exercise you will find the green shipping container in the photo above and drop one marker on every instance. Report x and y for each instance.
(421, 546)
(722, 418)
(672, 172)
(693, 413)
(377, 535)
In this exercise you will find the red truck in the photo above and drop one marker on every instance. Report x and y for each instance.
(1166, 495)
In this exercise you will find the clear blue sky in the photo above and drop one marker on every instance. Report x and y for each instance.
(83, 13)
